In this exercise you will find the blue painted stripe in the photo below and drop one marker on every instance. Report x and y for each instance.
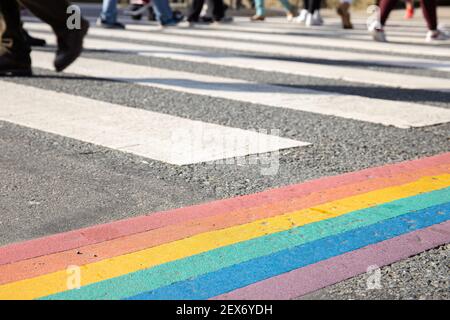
(240, 275)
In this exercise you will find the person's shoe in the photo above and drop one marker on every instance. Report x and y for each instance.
(169, 23)
(174, 21)
(177, 15)
(312, 21)
(377, 32)
(201, 20)
(206, 19)
(258, 17)
(301, 18)
(116, 25)
(318, 17)
(225, 20)
(192, 23)
(379, 35)
(437, 35)
(70, 46)
(11, 66)
(34, 42)
(409, 12)
(343, 11)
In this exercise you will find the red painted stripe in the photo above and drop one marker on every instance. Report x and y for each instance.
(327, 272)
(95, 234)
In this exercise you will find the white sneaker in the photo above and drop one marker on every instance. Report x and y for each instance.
(318, 17)
(437, 35)
(376, 29)
(301, 17)
(311, 21)
(379, 35)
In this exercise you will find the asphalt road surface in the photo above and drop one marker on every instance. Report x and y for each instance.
(309, 94)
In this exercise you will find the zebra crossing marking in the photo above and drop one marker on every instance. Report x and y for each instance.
(373, 77)
(354, 42)
(149, 134)
(329, 55)
(396, 113)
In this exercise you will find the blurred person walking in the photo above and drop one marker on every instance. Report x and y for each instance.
(15, 59)
(217, 7)
(108, 16)
(409, 10)
(429, 9)
(32, 41)
(343, 10)
(260, 15)
(164, 14)
(310, 14)
(161, 8)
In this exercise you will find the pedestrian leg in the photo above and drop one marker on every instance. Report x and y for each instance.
(218, 10)
(343, 11)
(195, 10)
(108, 16)
(55, 13)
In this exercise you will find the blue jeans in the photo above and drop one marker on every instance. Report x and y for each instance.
(162, 10)
(109, 11)
(261, 10)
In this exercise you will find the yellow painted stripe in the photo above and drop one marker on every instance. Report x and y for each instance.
(109, 268)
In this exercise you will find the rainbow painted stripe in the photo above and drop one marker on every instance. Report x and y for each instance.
(280, 243)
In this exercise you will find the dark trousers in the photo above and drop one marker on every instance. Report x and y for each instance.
(428, 9)
(312, 5)
(197, 6)
(13, 38)
(52, 12)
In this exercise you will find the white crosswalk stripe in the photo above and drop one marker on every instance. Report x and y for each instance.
(396, 80)
(282, 37)
(399, 114)
(149, 134)
(359, 33)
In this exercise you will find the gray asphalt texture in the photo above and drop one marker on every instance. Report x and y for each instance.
(422, 277)
(54, 184)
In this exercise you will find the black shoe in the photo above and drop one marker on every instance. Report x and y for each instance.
(70, 46)
(11, 66)
(177, 15)
(224, 20)
(200, 20)
(205, 19)
(116, 25)
(34, 42)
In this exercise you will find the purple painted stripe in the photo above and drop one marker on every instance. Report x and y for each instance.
(327, 272)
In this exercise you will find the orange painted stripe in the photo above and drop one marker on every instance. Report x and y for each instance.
(88, 254)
